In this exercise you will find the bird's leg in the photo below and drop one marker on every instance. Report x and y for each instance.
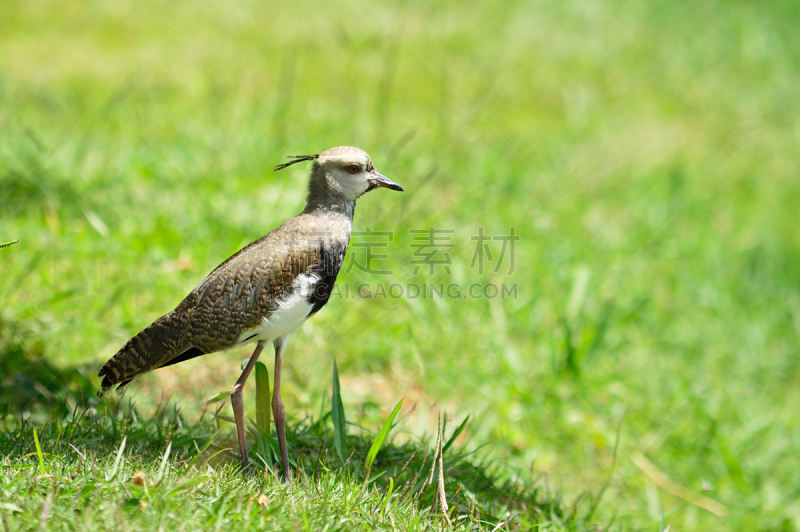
(238, 403)
(278, 412)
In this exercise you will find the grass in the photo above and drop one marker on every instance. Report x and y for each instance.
(645, 153)
(98, 470)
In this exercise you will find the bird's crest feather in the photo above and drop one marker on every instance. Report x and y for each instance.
(297, 159)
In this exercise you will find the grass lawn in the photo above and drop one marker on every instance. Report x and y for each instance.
(645, 154)
(166, 474)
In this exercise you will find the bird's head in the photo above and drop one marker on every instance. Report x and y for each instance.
(348, 172)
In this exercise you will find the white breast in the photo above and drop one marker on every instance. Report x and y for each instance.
(290, 314)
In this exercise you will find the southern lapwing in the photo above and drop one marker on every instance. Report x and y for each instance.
(265, 291)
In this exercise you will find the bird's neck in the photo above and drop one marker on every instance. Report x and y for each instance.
(322, 198)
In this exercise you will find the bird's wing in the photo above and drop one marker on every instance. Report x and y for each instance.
(243, 291)
(235, 297)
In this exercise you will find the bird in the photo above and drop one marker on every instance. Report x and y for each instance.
(264, 292)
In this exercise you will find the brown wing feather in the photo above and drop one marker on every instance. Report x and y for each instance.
(235, 297)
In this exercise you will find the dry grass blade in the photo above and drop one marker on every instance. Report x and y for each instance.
(661, 480)
(441, 496)
(436, 450)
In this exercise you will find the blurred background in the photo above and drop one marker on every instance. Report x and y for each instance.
(645, 153)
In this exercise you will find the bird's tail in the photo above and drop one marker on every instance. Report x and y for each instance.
(146, 351)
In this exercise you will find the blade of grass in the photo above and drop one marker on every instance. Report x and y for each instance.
(187, 485)
(440, 480)
(263, 412)
(388, 496)
(219, 397)
(201, 452)
(117, 460)
(458, 431)
(337, 416)
(39, 451)
(163, 466)
(379, 439)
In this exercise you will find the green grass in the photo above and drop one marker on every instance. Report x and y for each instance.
(645, 153)
(100, 470)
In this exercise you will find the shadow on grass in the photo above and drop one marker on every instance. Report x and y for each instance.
(32, 384)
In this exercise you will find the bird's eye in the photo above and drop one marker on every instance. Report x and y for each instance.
(353, 169)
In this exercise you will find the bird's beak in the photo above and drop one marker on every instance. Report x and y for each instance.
(380, 180)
